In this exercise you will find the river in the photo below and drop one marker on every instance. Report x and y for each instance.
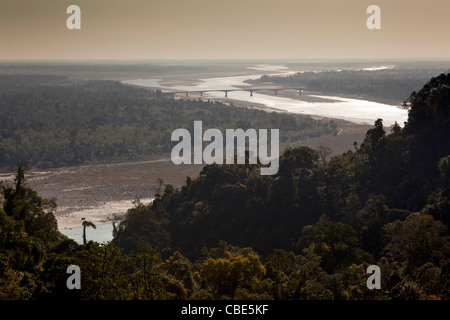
(354, 110)
(102, 233)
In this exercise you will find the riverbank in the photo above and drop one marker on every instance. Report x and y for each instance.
(102, 233)
(103, 192)
(232, 89)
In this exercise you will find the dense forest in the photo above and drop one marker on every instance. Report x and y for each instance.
(51, 121)
(308, 232)
(387, 85)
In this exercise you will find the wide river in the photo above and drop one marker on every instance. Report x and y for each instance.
(354, 110)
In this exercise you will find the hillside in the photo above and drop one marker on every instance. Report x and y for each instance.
(308, 232)
(352, 209)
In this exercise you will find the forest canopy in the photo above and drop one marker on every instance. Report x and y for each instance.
(308, 232)
(358, 208)
(49, 121)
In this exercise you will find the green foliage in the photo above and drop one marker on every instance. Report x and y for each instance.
(337, 245)
(72, 123)
(417, 240)
(143, 225)
(308, 232)
(28, 232)
(348, 212)
(224, 276)
(36, 214)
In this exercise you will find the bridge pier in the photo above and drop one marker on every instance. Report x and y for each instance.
(173, 93)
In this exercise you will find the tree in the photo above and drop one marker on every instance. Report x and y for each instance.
(146, 282)
(37, 214)
(142, 225)
(417, 240)
(86, 224)
(180, 268)
(323, 152)
(225, 275)
(337, 245)
(28, 233)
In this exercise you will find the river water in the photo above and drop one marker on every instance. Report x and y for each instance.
(102, 233)
(354, 110)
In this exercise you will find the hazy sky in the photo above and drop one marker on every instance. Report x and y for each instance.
(224, 29)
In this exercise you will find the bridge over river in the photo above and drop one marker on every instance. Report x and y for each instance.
(250, 90)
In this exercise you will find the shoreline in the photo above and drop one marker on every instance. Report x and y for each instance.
(108, 212)
(102, 233)
(262, 107)
(103, 193)
(71, 228)
(167, 86)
